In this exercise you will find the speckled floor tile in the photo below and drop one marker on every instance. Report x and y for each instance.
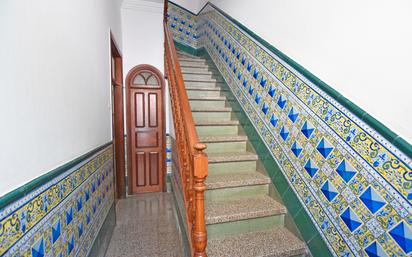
(146, 227)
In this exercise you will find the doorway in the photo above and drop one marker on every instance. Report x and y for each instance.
(118, 119)
(145, 129)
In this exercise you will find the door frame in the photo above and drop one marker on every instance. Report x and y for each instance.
(118, 118)
(130, 76)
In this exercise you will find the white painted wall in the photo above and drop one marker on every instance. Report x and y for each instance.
(361, 48)
(55, 83)
(142, 26)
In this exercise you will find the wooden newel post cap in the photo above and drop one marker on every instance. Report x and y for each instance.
(200, 147)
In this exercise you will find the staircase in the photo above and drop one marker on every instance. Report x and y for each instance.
(241, 218)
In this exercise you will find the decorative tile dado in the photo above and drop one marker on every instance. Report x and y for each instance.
(63, 216)
(356, 187)
(183, 25)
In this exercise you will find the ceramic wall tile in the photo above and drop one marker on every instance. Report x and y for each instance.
(355, 186)
(63, 216)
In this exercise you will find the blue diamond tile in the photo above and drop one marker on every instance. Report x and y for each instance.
(375, 250)
(273, 120)
(251, 89)
(307, 129)
(257, 98)
(284, 133)
(324, 148)
(293, 115)
(70, 245)
(37, 249)
(346, 171)
(249, 67)
(351, 219)
(402, 234)
(265, 108)
(234, 69)
(69, 215)
(311, 168)
(56, 231)
(239, 75)
(79, 203)
(244, 82)
(243, 60)
(281, 102)
(80, 229)
(329, 190)
(296, 149)
(88, 217)
(271, 90)
(255, 73)
(263, 81)
(372, 200)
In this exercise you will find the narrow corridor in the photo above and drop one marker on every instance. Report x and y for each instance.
(146, 226)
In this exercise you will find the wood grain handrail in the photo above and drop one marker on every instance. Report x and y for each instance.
(193, 161)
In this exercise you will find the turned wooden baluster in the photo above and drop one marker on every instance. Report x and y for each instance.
(200, 169)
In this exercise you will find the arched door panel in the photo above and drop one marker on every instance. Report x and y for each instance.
(146, 129)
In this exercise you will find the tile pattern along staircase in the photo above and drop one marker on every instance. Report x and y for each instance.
(241, 218)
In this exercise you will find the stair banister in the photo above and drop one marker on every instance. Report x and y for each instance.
(193, 161)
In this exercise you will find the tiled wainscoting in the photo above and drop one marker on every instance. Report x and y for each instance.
(353, 184)
(70, 214)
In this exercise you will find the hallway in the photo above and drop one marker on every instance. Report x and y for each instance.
(146, 226)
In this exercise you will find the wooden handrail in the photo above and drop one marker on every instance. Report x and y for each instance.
(193, 162)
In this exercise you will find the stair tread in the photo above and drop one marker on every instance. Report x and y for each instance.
(215, 139)
(216, 122)
(241, 209)
(211, 109)
(200, 72)
(204, 88)
(278, 242)
(232, 157)
(236, 179)
(185, 59)
(208, 98)
(204, 80)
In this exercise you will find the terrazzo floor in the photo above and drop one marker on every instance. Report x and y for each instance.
(146, 227)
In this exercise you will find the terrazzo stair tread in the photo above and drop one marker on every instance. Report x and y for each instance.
(217, 123)
(185, 59)
(207, 98)
(208, 80)
(202, 72)
(211, 109)
(203, 84)
(232, 157)
(277, 242)
(241, 209)
(204, 88)
(193, 64)
(194, 69)
(215, 139)
(236, 179)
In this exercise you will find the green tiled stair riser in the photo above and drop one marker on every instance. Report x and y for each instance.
(350, 189)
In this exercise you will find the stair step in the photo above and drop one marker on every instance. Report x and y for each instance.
(232, 157)
(200, 72)
(242, 209)
(203, 84)
(204, 80)
(219, 139)
(236, 179)
(193, 64)
(217, 123)
(194, 69)
(208, 98)
(277, 242)
(204, 88)
(212, 109)
(186, 59)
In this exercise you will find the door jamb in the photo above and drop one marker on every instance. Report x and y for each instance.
(130, 75)
(118, 118)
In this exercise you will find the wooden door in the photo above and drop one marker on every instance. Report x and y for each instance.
(146, 127)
